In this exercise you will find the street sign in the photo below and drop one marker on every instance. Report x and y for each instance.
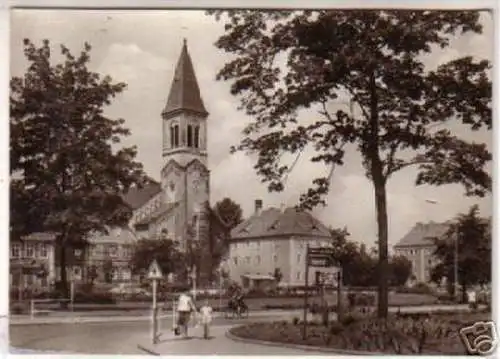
(154, 272)
(320, 257)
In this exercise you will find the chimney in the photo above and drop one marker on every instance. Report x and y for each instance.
(258, 206)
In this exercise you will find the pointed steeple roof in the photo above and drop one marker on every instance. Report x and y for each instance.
(184, 92)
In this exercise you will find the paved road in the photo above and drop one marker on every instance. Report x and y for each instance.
(97, 338)
(110, 337)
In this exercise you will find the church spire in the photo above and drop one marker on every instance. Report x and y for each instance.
(184, 92)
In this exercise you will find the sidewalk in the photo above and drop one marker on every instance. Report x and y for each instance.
(218, 344)
(83, 317)
(73, 318)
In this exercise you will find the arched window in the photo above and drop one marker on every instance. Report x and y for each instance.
(174, 136)
(197, 137)
(190, 136)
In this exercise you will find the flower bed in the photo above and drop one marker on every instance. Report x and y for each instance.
(409, 334)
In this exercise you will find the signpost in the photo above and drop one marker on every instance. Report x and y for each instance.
(321, 257)
(154, 274)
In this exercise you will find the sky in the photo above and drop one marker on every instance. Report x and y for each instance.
(141, 48)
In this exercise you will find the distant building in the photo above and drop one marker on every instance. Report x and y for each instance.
(114, 249)
(418, 247)
(31, 256)
(273, 239)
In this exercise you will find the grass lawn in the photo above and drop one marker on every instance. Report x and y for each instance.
(362, 339)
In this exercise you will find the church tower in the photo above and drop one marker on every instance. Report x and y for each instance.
(185, 177)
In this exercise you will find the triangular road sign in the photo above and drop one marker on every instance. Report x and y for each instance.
(154, 271)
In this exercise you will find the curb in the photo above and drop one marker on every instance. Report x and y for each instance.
(309, 348)
(147, 351)
(82, 320)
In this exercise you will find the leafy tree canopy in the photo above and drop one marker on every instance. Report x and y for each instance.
(166, 252)
(70, 172)
(473, 234)
(287, 61)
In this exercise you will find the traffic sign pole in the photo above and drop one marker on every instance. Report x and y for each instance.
(154, 274)
(154, 313)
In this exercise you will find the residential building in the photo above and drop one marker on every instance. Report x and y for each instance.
(29, 257)
(274, 239)
(418, 246)
(114, 249)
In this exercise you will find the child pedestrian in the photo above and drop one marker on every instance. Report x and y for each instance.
(206, 318)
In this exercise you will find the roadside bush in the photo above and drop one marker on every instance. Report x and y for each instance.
(18, 308)
(348, 319)
(94, 297)
(419, 288)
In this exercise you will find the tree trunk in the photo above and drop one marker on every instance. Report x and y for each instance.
(379, 182)
(383, 265)
(62, 265)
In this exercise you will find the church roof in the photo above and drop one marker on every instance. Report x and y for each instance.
(160, 211)
(273, 222)
(184, 92)
(115, 235)
(137, 197)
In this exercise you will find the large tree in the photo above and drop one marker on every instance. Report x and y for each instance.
(283, 62)
(162, 249)
(224, 216)
(467, 243)
(69, 171)
(207, 253)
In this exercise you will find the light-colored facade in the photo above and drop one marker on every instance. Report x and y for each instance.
(418, 247)
(274, 239)
(115, 248)
(28, 256)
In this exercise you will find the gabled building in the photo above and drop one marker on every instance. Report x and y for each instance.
(418, 246)
(32, 262)
(274, 239)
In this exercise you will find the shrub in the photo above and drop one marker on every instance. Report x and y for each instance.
(419, 288)
(18, 308)
(365, 299)
(348, 319)
(295, 321)
(94, 297)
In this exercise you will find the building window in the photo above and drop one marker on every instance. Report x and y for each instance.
(174, 136)
(30, 250)
(257, 260)
(275, 258)
(197, 137)
(235, 260)
(43, 251)
(298, 258)
(190, 136)
(113, 250)
(15, 250)
(247, 259)
(298, 275)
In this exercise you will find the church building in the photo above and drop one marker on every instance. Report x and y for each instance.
(179, 201)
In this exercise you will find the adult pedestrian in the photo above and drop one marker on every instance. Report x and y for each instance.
(185, 306)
